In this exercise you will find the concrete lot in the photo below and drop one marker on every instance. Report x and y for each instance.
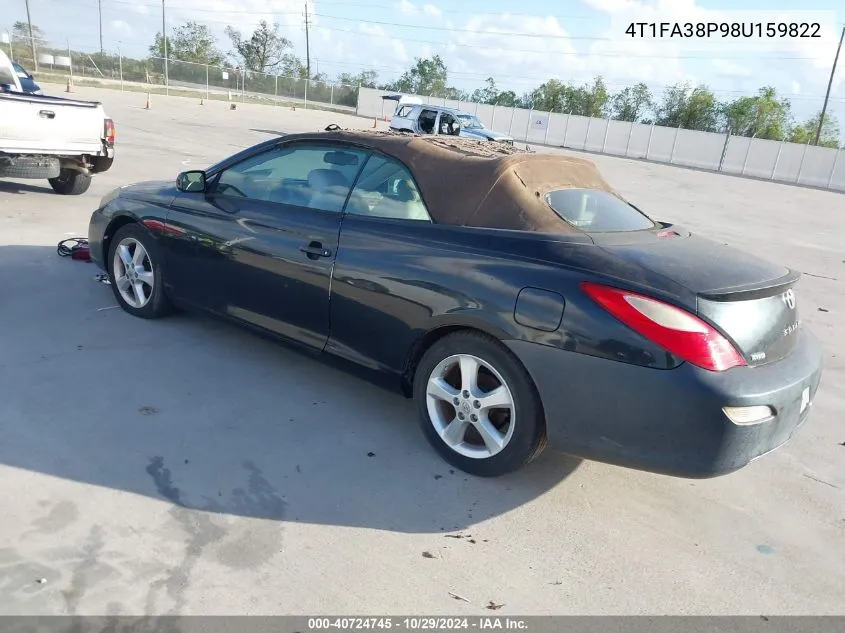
(184, 466)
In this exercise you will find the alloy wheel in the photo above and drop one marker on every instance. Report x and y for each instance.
(133, 272)
(471, 406)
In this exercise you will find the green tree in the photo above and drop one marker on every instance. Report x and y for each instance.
(632, 103)
(806, 132)
(20, 30)
(191, 42)
(507, 99)
(689, 108)
(549, 96)
(488, 94)
(264, 51)
(366, 78)
(763, 116)
(425, 77)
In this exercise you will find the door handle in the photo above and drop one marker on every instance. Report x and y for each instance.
(47, 114)
(315, 250)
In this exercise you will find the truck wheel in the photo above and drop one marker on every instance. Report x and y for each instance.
(30, 167)
(70, 182)
(100, 164)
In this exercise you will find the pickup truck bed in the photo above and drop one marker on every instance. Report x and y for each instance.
(64, 141)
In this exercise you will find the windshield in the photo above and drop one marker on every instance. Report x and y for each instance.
(594, 211)
(469, 121)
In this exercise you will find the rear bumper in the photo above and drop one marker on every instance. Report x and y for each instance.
(669, 421)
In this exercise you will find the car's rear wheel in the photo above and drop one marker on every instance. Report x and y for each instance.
(477, 405)
(135, 273)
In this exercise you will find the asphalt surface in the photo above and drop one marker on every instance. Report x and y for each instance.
(185, 466)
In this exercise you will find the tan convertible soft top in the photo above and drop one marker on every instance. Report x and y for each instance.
(486, 184)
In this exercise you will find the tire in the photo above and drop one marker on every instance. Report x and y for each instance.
(70, 182)
(520, 428)
(99, 164)
(29, 167)
(153, 303)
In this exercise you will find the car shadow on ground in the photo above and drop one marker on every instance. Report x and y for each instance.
(208, 417)
(8, 186)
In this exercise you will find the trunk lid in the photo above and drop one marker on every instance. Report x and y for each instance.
(750, 300)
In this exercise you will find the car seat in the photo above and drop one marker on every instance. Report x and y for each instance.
(329, 189)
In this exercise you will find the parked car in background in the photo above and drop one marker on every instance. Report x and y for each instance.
(472, 127)
(429, 119)
(514, 295)
(27, 80)
(63, 141)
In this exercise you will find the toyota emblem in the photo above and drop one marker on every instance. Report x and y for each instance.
(789, 298)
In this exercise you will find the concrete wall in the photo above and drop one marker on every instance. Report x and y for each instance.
(761, 158)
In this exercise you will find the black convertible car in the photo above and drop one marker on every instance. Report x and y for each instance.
(513, 295)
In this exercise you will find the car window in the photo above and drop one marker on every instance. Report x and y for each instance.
(405, 110)
(449, 124)
(305, 176)
(426, 121)
(386, 189)
(595, 211)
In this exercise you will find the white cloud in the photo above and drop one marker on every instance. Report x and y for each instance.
(120, 27)
(408, 8)
(382, 46)
(796, 87)
(727, 68)
(432, 11)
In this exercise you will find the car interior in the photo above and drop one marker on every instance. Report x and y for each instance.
(384, 189)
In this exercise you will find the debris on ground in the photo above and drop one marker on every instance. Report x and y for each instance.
(103, 278)
(75, 248)
(438, 476)
(457, 597)
(823, 310)
(556, 582)
(427, 554)
(371, 454)
(41, 581)
(147, 410)
(493, 606)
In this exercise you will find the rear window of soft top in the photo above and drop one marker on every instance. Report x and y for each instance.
(594, 211)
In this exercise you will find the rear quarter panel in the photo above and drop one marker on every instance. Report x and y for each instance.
(395, 281)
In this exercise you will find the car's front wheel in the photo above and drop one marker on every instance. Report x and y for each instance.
(135, 272)
(478, 406)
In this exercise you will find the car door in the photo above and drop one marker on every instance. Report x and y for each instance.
(259, 244)
(388, 246)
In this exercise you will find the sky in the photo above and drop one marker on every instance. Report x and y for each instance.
(519, 44)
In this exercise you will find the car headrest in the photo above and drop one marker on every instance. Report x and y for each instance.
(404, 191)
(323, 178)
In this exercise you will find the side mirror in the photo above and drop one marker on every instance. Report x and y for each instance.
(191, 181)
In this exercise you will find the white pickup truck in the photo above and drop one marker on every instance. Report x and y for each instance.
(64, 141)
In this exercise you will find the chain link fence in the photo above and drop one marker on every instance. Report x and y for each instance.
(178, 78)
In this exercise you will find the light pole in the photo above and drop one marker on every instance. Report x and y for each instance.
(32, 39)
(164, 37)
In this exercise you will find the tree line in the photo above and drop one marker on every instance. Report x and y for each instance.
(764, 115)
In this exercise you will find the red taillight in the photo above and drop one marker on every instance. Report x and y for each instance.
(110, 131)
(674, 329)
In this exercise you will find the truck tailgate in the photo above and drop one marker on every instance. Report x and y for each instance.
(50, 125)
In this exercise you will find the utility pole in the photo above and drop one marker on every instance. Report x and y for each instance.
(307, 45)
(164, 39)
(829, 84)
(100, 9)
(31, 39)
